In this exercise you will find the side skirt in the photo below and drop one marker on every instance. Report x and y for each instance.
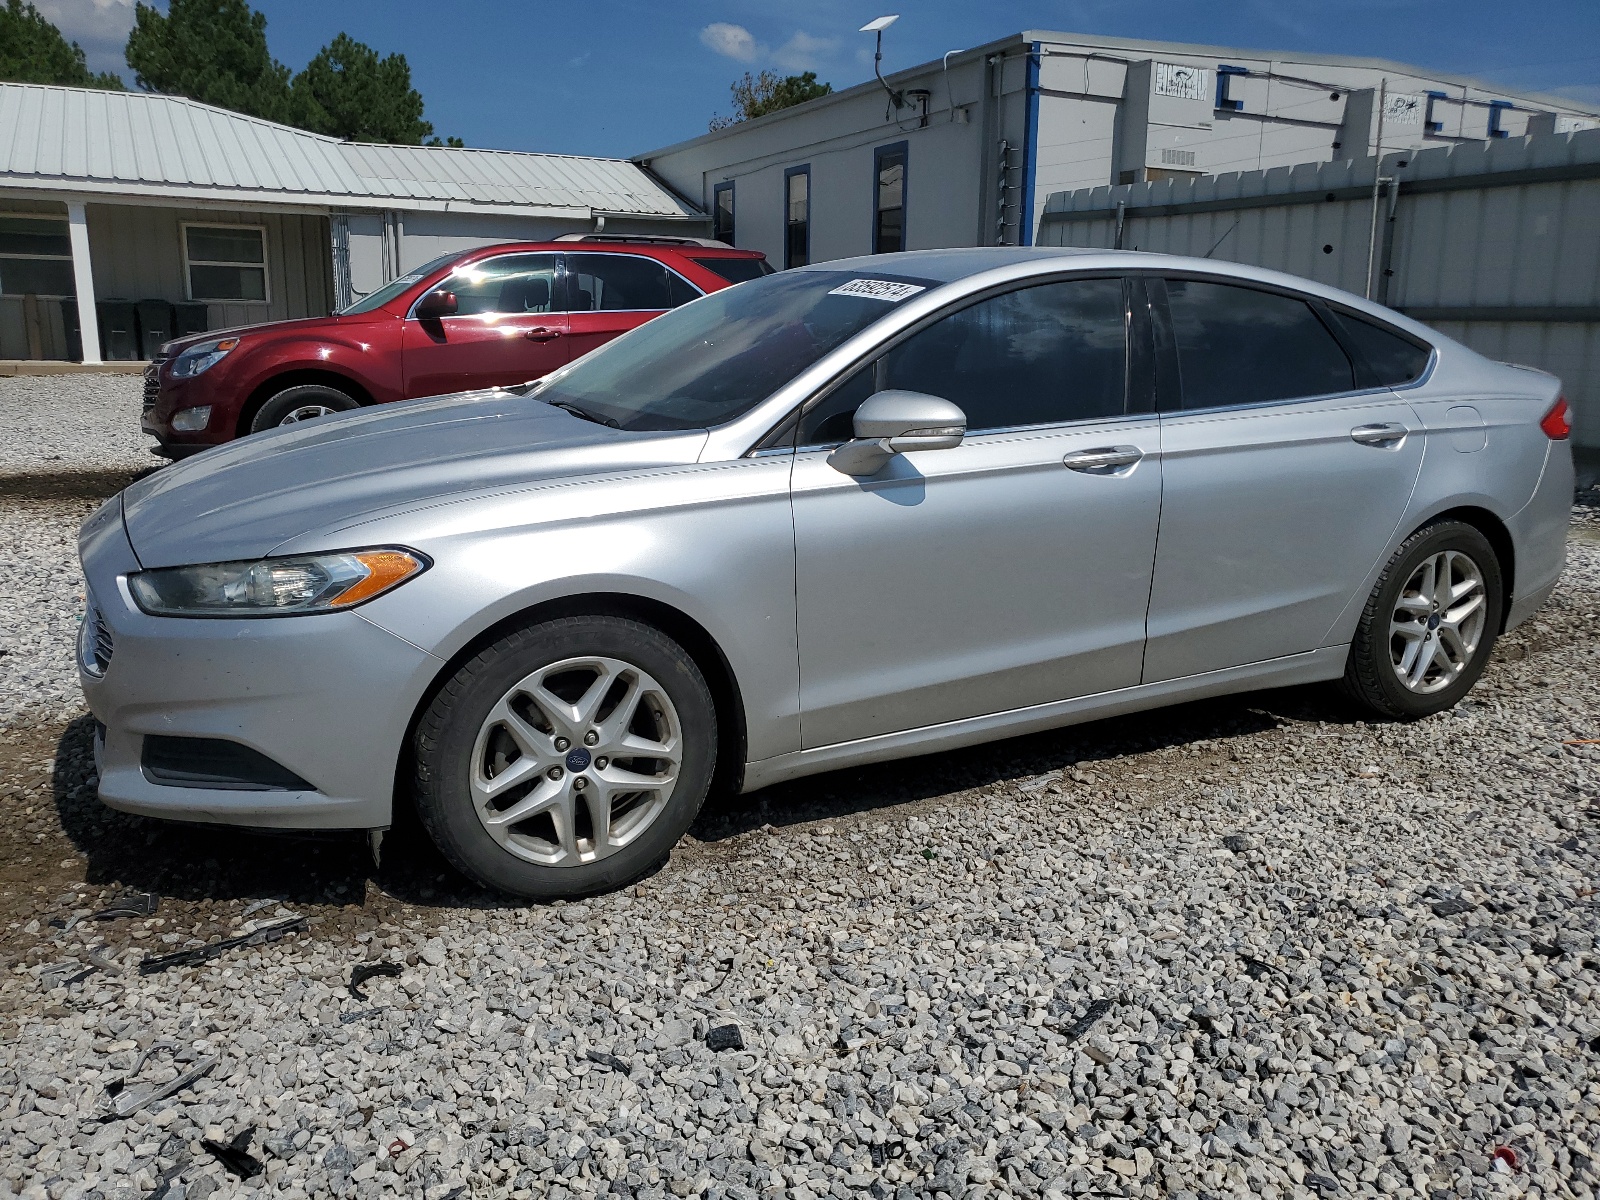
(1313, 666)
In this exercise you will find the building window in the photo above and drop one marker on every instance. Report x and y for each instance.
(722, 213)
(797, 216)
(889, 199)
(225, 262)
(35, 257)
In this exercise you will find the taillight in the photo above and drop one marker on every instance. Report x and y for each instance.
(1557, 423)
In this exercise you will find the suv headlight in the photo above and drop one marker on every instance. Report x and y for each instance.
(200, 358)
(274, 587)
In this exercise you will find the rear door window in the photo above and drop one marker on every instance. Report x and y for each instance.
(1239, 345)
(1394, 358)
(623, 283)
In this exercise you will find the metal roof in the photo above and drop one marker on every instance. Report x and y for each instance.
(139, 144)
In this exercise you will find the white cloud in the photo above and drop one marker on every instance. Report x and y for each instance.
(803, 52)
(101, 27)
(731, 41)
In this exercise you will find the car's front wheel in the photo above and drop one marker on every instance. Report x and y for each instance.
(566, 758)
(302, 402)
(1429, 625)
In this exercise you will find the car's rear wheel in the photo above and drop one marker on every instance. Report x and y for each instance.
(302, 402)
(1430, 624)
(566, 758)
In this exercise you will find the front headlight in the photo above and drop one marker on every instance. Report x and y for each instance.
(274, 587)
(202, 357)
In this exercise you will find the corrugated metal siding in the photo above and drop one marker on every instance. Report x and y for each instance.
(1500, 241)
(60, 136)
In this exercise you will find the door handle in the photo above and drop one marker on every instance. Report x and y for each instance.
(1107, 460)
(542, 334)
(1386, 434)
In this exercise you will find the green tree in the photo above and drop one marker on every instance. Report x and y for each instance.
(214, 51)
(756, 96)
(33, 51)
(349, 92)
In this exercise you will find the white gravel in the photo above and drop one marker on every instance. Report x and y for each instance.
(66, 442)
(1251, 947)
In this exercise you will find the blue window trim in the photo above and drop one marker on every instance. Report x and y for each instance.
(1225, 102)
(1031, 149)
(803, 169)
(1497, 109)
(904, 150)
(1429, 125)
(716, 195)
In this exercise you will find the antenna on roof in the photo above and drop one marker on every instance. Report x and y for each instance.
(877, 25)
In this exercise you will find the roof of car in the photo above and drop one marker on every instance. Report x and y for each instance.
(947, 266)
(698, 247)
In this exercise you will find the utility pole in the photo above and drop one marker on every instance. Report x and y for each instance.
(1377, 172)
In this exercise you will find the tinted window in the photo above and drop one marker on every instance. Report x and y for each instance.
(831, 419)
(889, 200)
(1037, 356)
(722, 213)
(736, 270)
(797, 217)
(1394, 359)
(715, 359)
(615, 282)
(1237, 345)
(394, 287)
(511, 283)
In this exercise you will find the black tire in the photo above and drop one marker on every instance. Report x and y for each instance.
(1371, 676)
(281, 408)
(448, 734)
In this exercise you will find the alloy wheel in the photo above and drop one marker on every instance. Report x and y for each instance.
(576, 761)
(306, 412)
(1438, 622)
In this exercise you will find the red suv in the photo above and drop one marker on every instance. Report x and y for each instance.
(493, 316)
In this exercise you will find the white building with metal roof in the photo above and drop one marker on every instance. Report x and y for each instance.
(962, 151)
(164, 215)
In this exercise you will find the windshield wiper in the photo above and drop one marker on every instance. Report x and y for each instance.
(584, 413)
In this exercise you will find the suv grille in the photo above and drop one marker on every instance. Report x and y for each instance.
(94, 642)
(152, 383)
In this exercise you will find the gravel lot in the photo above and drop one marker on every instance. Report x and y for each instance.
(1250, 947)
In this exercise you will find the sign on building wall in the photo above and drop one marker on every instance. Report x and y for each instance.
(1181, 81)
(1401, 108)
(1566, 124)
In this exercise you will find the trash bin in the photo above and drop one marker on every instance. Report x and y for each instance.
(189, 318)
(119, 330)
(155, 326)
(69, 322)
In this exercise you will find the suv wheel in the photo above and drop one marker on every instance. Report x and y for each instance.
(1428, 628)
(566, 758)
(303, 402)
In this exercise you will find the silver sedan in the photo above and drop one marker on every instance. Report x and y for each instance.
(847, 513)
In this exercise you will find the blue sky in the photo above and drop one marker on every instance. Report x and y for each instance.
(619, 77)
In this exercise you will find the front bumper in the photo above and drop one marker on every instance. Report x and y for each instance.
(328, 697)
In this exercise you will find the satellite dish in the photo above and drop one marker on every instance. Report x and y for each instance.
(879, 24)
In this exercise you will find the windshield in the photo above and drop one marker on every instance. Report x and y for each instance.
(377, 299)
(717, 358)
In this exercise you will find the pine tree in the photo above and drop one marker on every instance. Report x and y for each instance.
(33, 51)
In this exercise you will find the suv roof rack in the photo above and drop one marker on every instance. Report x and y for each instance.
(645, 239)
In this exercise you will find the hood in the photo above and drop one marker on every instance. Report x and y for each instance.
(178, 345)
(243, 499)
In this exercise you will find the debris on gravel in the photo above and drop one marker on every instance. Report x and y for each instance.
(1029, 969)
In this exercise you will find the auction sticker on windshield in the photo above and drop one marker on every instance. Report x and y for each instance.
(878, 289)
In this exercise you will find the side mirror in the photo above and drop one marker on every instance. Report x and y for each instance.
(894, 422)
(435, 305)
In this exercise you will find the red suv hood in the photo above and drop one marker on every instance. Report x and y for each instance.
(267, 328)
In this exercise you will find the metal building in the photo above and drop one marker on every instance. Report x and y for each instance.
(963, 151)
(162, 216)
